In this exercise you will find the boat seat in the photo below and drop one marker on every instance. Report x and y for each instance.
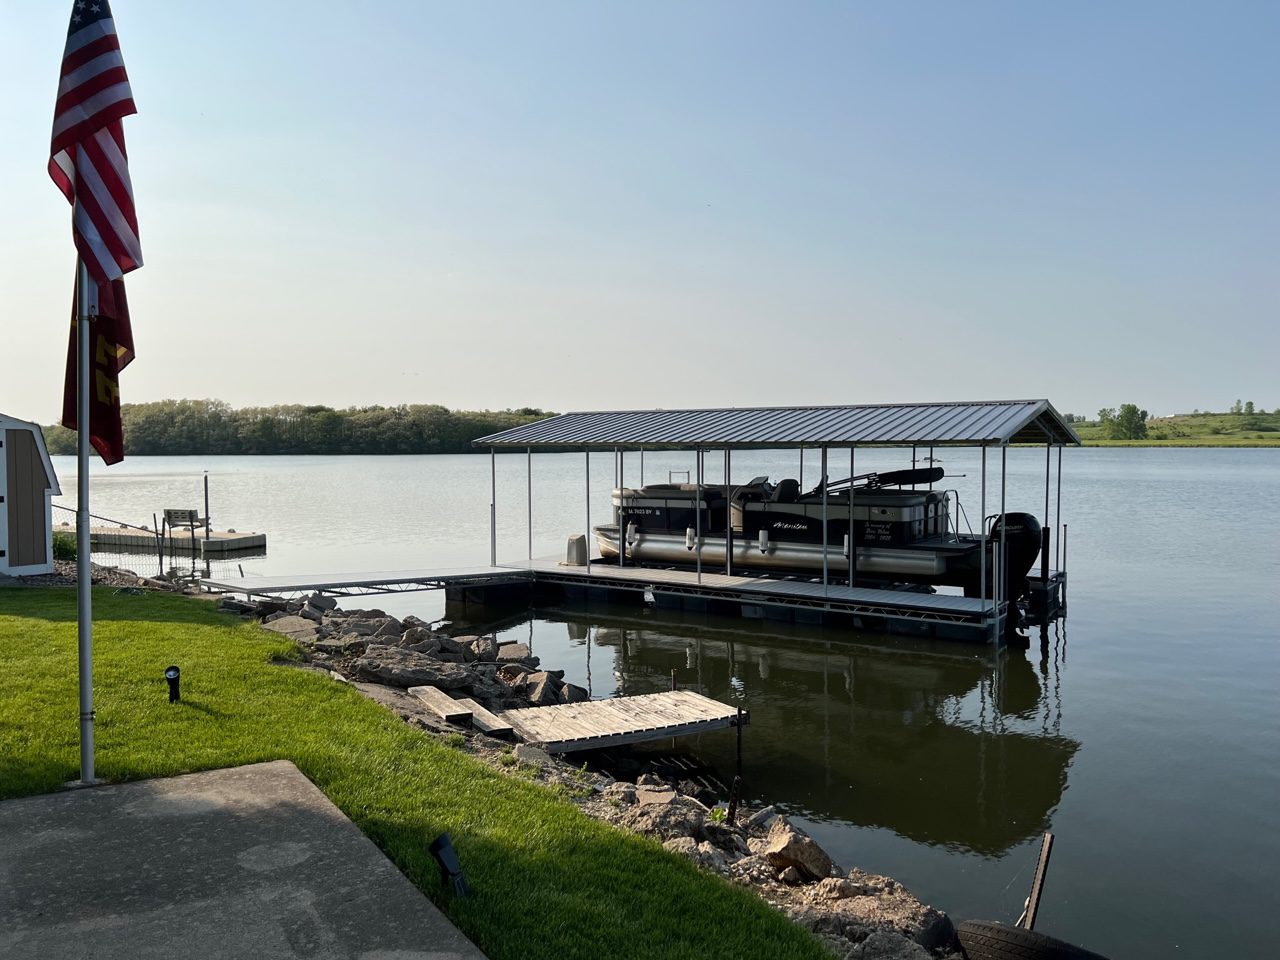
(787, 491)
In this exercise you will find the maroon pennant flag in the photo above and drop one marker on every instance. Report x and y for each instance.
(87, 161)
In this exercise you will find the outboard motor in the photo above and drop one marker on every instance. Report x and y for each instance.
(1022, 544)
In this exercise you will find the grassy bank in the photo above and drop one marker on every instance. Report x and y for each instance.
(1194, 430)
(548, 881)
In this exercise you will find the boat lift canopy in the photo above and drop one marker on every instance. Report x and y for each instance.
(990, 422)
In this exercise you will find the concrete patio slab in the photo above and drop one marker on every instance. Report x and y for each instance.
(251, 862)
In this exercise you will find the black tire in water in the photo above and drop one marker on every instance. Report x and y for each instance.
(986, 940)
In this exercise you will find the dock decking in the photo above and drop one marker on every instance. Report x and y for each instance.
(894, 610)
(363, 584)
(593, 724)
(177, 543)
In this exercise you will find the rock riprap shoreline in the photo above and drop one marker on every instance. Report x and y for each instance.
(858, 915)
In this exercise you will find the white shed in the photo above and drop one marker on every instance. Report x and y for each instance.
(27, 488)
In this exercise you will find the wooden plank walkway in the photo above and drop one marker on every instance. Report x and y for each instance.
(609, 723)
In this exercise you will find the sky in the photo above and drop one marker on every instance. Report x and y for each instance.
(608, 205)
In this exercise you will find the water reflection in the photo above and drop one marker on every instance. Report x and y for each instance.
(945, 744)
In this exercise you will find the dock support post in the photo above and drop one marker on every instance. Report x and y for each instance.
(528, 476)
(493, 507)
(697, 513)
(1058, 514)
(982, 525)
(587, 457)
(853, 544)
(620, 481)
(1001, 572)
(738, 728)
(642, 468)
(825, 577)
(728, 516)
(206, 505)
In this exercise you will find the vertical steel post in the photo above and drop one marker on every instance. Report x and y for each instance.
(1057, 517)
(1048, 471)
(620, 482)
(493, 506)
(528, 477)
(802, 469)
(823, 481)
(642, 468)
(1002, 571)
(913, 465)
(207, 525)
(982, 524)
(587, 456)
(86, 308)
(697, 511)
(931, 465)
(728, 515)
(853, 544)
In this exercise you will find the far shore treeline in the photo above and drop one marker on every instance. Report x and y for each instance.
(213, 428)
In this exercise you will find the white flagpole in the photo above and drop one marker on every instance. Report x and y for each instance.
(86, 307)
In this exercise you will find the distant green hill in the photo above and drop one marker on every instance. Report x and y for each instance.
(1194, 430)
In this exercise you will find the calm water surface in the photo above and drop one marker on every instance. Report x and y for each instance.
(1145, 732)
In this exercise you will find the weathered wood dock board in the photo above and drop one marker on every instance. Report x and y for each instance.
(442, 705)
(608, 723)
(484, 721)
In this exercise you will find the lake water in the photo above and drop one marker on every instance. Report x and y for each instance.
(1145, 732)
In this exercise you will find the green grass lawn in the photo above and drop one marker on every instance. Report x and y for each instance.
(547, 880)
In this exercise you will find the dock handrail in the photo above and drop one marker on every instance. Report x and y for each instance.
(119, 523)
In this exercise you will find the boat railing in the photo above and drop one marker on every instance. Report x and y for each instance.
(959, 512)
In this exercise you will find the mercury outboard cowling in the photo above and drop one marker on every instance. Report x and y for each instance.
(1022, 542)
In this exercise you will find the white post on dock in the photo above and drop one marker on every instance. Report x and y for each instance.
(493, 506)
(824, 521)
(528, 475)
(587, 456)
(86, 309)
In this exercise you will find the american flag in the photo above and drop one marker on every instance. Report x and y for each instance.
(87, 158)
(87, 161)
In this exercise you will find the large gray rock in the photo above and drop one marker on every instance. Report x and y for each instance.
(340, 646)
(703, 854)
(882, 903)
(413, 635)
(485, 649)
(542, 693)
(296, 627)
(512, 651)
(390, 627)
(405, 668)
(315, 614)
(664, 821)
(789, 846)
(572, 693)
(321, 602)
(231, 605)
(374, 614)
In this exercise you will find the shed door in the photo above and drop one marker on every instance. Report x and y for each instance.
(24, 499)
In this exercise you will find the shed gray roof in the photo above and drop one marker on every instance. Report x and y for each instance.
(922, 424)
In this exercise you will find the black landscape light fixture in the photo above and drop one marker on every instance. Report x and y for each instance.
(450, 866)
(172, 674)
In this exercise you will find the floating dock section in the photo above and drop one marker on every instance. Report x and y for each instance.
(178, 543)
(596, 724)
